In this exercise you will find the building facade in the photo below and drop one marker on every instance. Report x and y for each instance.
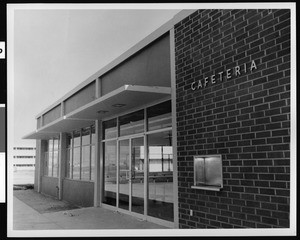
(190, 128)
(24, 158)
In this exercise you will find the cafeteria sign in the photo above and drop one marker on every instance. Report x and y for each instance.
(220, 76)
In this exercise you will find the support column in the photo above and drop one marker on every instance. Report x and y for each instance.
(62, 163)
(37, 166)
(174, 128)
(41, 149)
(98, 165)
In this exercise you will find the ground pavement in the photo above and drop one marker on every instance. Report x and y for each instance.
(40, 212)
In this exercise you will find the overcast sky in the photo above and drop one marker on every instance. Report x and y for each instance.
(55, 50)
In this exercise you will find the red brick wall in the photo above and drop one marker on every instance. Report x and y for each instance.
(245, 118)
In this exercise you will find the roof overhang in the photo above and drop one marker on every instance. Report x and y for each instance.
(119, 101)
(126, 55)
(40, 135)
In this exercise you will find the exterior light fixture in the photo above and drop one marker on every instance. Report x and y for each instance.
(102, 112)
(118, 105)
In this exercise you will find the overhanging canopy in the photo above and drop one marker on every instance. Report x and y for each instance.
(120, 100)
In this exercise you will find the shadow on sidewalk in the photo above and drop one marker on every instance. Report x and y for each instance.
(40, 202)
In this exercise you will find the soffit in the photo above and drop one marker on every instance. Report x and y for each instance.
(128, 96)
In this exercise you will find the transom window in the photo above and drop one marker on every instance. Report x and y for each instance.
(158, 117)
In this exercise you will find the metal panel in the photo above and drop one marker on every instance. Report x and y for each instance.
(80, 193)
(52, 115)
(150, 66)
(49, 186)
(82, 97)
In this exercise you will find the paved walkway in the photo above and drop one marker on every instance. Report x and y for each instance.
(26, 218)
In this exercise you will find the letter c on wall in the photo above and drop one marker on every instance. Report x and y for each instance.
(193, 86)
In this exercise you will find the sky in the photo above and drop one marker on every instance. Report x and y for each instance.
(57, 49)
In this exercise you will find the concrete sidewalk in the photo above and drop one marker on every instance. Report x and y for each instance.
(26, 218)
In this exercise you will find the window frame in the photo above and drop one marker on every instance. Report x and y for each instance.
(207, 186)
(71, 148)
(46, 158)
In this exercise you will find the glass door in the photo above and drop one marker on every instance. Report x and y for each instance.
(131, 175)
(160, 176)
(124, 174)
(137, 175)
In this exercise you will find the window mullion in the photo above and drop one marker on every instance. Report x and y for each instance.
(52, 157)
(72, 150)
(80, 155)
(90, 166)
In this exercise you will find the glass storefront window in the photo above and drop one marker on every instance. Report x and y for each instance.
(92, 163)
(69, 163)
(76, 163)
(50, 145)
(55, 144)
(76, 139)
(93, 132)
(52, 158)
(69, 141)
(81, 154)
(132, 162)
(110, 129)
(124, 174)
(50, 163)
(85, 165)
(160, 178)
(137, 178)
(46, 162)
(86, 137)
(55, 163)
(110, 172)
(132, 123)
(159, 116)
(85, 154)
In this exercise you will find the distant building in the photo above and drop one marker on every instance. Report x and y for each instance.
(24, 158)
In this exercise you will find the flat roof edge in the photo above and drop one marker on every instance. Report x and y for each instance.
(29, 134)
(134, 49)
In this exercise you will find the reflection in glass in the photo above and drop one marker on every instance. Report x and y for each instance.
(76, 140)
(86, 138)
(93, 132)
(50, 163)
(46, 163)
(93, 163)
(69, 141)
(110, 172)
(124, 174)
(76, 163)
(85, 164)
(55, 144)
(160, 198)
(55, 163)
(137, 177)
(208, 171)
(132, 123)
(110, 129)
(159, 116)
(69, 163)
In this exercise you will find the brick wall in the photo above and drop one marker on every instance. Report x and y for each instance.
(246, 117)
